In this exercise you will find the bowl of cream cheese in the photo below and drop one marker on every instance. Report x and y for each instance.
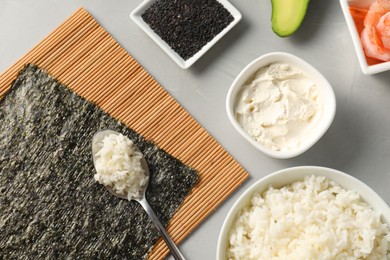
(281, 104)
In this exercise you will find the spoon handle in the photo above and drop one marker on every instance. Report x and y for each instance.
(168, 240)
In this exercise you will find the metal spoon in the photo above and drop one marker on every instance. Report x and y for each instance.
(96, 146)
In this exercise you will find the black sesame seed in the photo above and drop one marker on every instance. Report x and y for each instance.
(187, 25)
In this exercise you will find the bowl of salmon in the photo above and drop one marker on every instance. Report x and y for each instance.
(369, 25)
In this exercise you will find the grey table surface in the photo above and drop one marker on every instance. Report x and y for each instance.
(358, 142)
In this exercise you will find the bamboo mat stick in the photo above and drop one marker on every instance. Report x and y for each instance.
(83, 56)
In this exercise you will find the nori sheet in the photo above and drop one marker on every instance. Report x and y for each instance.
(50, 205)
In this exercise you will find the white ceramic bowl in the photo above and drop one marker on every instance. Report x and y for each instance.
(287, 176)
(136, 17)
(324, 87)
(366, 69)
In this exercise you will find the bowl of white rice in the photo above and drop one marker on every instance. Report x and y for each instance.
(307, 212)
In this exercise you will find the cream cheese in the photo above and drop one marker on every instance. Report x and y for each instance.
(279, 107)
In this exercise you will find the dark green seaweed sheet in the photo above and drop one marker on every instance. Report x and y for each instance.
(50, 205)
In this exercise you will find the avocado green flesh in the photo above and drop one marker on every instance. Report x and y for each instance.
(287, 15)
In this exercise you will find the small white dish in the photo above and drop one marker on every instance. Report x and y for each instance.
(326, 91)
(287, 176)
(365, 67)
(136, 16)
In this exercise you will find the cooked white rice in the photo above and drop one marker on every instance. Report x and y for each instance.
(118, 165)
(310, 219)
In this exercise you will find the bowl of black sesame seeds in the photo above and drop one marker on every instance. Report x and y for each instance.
(186, 29)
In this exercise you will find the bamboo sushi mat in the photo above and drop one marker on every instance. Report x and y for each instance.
(84, 57)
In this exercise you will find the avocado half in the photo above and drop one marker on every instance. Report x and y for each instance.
(287, 15)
